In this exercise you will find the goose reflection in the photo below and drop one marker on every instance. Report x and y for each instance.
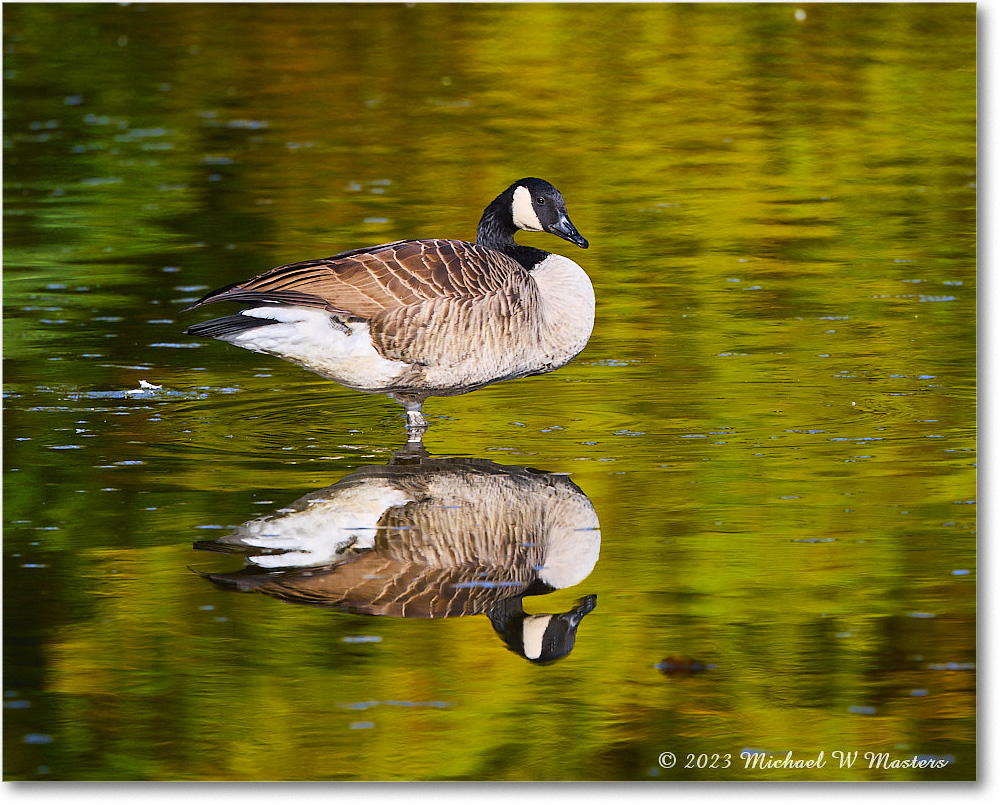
(425, 537)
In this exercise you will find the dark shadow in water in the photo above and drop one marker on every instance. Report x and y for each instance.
(425, 537)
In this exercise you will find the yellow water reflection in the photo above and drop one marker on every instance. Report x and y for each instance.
(774, 420)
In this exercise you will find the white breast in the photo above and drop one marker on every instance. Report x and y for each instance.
(567, 309)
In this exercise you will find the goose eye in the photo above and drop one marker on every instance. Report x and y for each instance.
(540, 201)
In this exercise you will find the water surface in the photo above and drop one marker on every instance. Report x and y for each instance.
(773, 421)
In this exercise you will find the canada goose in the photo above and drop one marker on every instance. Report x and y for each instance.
(420, 318)
(435, 539)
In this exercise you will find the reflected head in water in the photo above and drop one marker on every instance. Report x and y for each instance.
(419, 318)
(425, 537)
(539, 638)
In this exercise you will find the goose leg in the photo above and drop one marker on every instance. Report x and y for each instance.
(416, 425)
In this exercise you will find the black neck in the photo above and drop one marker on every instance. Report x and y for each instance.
(497, 232)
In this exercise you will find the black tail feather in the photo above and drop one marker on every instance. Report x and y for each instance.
(233, 293)
(227, 326)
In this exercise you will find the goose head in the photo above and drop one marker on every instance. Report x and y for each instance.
(539, 638)
(530, 204)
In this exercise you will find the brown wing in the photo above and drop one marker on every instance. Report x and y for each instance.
(364, 282)
(377, 585)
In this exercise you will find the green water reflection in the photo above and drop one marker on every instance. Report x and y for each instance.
(774, 419)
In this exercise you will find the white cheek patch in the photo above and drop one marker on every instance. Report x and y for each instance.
(533, 633)
(523, 211)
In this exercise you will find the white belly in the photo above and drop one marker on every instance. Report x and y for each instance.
(309, 338)
(321, 533)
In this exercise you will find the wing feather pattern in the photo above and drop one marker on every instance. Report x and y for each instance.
(370, 585)
(421, 298)
(365, 282)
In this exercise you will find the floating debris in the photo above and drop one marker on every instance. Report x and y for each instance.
(144, 386)
(677, 665)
